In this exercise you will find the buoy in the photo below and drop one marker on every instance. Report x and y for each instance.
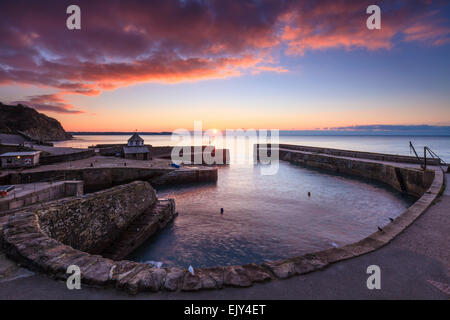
(309, 194)
(221, 210)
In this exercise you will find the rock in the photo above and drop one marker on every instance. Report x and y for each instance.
(308, 263)
(257, 273)
(191, 282)
(38, 126)
(56, 260)
(207, 282)
(138, 280)
(124, 269)
(132, 275)
(212, 277)
(154, 280)
(174, 279)
(281, 269)
(98, 273)
(236, 276)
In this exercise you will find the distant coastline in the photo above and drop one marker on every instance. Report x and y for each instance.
(324, 133)
(116, 133)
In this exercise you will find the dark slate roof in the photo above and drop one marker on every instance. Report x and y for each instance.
(135, 137)
(128, 150)
(20, 153)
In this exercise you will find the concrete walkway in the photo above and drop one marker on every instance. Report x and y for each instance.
(415, 265)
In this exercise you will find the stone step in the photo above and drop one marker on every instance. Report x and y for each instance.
(147, 224)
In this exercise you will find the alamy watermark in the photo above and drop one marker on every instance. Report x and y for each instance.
(374, 20)
(74, 280)
(238, 146)
(73, 22)
(374, 280)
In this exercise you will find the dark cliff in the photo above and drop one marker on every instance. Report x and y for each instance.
(16, 119)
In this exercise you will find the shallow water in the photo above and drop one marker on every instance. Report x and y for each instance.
(268, 217)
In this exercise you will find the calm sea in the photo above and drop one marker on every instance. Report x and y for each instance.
(382, 144)
(272, 217)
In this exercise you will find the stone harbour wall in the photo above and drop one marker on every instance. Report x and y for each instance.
(93, 222)
(186, 175)
(142, 228)
(66, 157)
(221, 156)
(96, 179)
(352, 154)
(412, 181)
(54, 191)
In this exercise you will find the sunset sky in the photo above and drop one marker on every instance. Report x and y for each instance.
(160, 65)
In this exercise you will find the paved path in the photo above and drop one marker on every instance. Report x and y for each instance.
(415, 265)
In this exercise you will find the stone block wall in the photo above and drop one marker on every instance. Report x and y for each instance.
(96, 179)
(184, 176)
(146, 225)
(74, 188)
(112, 150)
(409, 180)
(352, 154)
(220, 156)
(67, 157)
(54, 191)
(93, 222)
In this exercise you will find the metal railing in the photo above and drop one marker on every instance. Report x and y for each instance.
(434, 156)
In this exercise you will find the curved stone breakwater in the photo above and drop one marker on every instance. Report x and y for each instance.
(41, 238)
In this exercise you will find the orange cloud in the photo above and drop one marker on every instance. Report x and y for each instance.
(49, 102)
(170, 41)
(342, 24)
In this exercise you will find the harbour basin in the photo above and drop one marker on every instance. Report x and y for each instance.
(267, 217)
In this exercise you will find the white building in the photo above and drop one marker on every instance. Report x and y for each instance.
(20, 159)
(136, 149)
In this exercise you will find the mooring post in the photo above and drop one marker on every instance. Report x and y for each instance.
(425, 158)
(411, 147)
